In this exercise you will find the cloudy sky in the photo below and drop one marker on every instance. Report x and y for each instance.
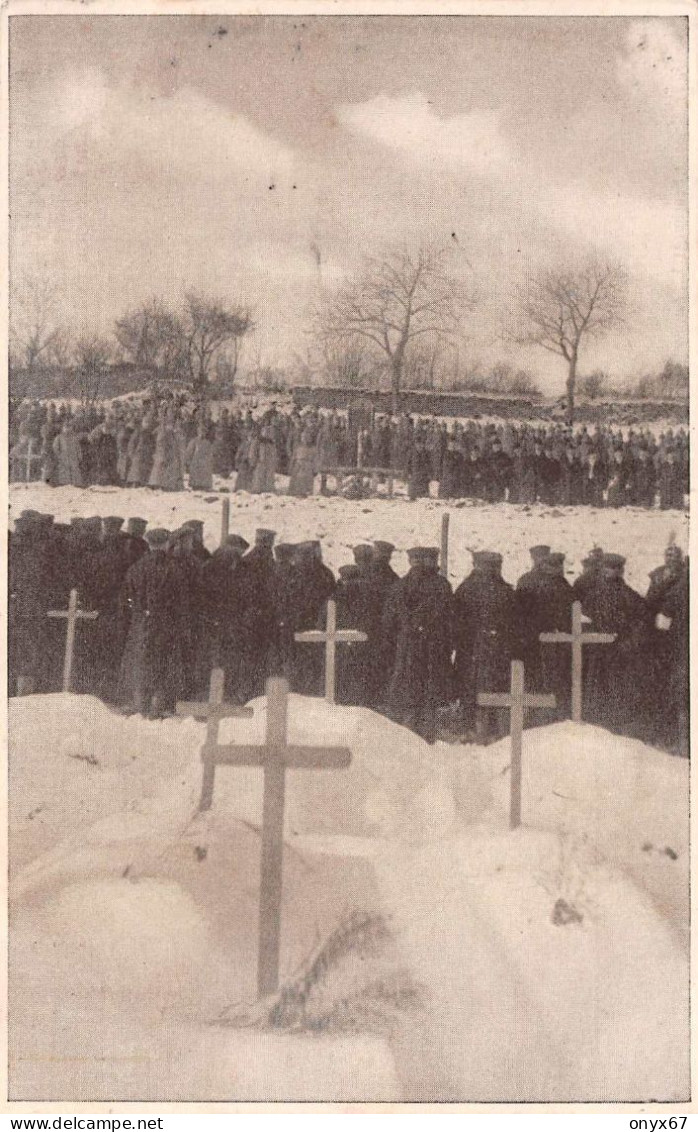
(261, 157)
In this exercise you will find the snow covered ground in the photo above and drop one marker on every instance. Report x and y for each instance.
(638, 534)
(553, 960)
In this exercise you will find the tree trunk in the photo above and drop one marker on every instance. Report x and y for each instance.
(571, 383)
(396, 382)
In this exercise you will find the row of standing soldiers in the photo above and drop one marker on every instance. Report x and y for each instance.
(157, 445)
(169, 611)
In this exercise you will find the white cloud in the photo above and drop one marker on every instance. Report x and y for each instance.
(185, 134)
(472, 140)
(528, 197)
(648, 237)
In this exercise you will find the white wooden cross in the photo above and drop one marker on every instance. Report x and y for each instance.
(275, 755)
(73, 614)
(517, 701)
(213, 712)
(329, 638)
(577, 638)
(29, 458)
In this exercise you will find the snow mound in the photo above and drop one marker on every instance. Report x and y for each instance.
(134, 917)
(123, 940)
(72, 762)
(75, 763)
(396, 786)
(542, 965)
(627, 800)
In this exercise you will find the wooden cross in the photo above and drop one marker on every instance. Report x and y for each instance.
(225, 520)
(213, 712)
(517, 701)
(329, 638)
(30, 458)
(275, 755)
(443, 558)
(577, 638)
(73, 614)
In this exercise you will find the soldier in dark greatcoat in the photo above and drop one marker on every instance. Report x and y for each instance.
(615, 690)
(196, 526)
(498, 469)
(662, 651)
(383, 578)
(314, 583)
(522, 484)
(451, 474)
(663, 577)
(282, 651)
(642, 485)
(30, 575)
(136, 544)
(674, 608)
(528, 599)
(670, 480)
(156, 603)
(223, 607)
(85, 546)
(419, 616)
(382, 570)
(110, 564)
(485, 612)
(553, 614)
(356, 609)
(184, 546)
(259, 624)
(419, 470)
(586, 582)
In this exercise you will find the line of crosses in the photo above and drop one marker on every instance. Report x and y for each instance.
(577, 639)
(275, 755)
(330, 638)
(72, 615)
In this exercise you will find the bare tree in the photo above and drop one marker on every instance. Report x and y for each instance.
(153, 337)
(92, 356)
(594, 385)
(559, 309)
(210, 326)
(397, 298)
(36, 332)
(61, 350)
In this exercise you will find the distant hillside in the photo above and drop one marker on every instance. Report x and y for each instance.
(623, 410)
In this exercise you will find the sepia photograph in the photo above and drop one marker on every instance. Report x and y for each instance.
(348, 447)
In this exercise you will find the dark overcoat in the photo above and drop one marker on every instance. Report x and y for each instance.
(484, 626)
(419, 616)
(156, 603)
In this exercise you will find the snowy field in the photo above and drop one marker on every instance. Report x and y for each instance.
(546, 964)
(638, 534)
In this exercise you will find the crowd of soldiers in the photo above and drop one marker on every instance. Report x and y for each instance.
(156, 444)
(169, 611)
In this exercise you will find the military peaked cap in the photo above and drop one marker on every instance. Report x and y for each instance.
(158, 536)
(237, 542)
